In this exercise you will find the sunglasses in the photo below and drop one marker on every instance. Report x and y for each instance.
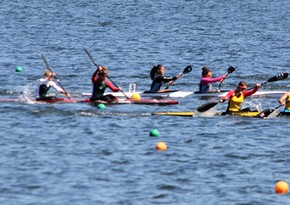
(243, 88)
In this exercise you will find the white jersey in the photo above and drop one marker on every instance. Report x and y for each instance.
(48, 84)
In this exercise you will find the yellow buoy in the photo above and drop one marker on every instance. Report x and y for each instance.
(135, 96)
(281, 187)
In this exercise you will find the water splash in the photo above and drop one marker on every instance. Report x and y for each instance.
(26, 94)
(253, 105)
(210, 113)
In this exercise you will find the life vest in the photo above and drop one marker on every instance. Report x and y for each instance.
(43, 89)
(235, 103)
(155, 86)
(99, 89)
(158, 81)
(204, 88)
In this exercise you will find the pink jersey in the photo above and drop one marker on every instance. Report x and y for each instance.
(205, 83)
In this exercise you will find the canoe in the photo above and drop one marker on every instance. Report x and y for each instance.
(87, 100)
(182, 94)
(192, 114)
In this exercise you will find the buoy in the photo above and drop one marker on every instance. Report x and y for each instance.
(18, 69)
(154, 133)
(281, 187)
(161, 146)
(135, 96)
(101, 106)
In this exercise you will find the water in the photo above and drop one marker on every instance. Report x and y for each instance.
(77, 154)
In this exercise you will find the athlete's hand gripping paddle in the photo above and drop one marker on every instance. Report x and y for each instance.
(187, 69)
(231, 69)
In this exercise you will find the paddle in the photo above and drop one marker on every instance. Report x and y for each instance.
(207, 106)
(58, 81)
(268, 112)
(280, 76)
(187, 69)
(87, 52)
(230, 70)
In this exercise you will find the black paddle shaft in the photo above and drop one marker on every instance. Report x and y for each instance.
(58, 81)
(187, 69)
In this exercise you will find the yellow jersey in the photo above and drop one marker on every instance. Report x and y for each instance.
(235, 103)
(287, 105)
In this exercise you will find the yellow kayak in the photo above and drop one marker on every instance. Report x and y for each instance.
(192, 114)
(241, 113)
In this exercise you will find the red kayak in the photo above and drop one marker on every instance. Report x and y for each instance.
(87, 100)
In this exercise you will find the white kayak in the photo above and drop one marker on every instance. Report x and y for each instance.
(168, 94)
(262, 93)
(182, 94)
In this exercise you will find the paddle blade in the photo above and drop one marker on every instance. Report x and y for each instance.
(231, 69)
(267, 112)
(187, 69)
(206, 106)
(280, 76)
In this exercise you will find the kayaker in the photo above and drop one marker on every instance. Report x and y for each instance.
(237, 97)
(285, 101)
(206, 80)
(158, 78)
(45, 83)
(100, 83)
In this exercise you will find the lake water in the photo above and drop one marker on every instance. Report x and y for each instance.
(78, 154)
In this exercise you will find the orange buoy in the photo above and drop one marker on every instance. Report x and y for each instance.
(281, 187)
(161, 146)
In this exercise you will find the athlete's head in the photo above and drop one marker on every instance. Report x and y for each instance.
(242, 86)
(206, 72)
(48, 73)
(103, 72)
(157, 70)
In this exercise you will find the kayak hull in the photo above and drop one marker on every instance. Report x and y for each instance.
(182, 94)
(168, 94)
(87, 100)
(192, 114)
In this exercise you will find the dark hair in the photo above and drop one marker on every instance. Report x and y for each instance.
(155, 71)
(242, 83)
(205, 71)
(104, 71)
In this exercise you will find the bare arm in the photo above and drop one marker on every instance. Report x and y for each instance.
(283, 98)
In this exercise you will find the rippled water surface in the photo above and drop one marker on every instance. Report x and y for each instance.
(78, 154)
